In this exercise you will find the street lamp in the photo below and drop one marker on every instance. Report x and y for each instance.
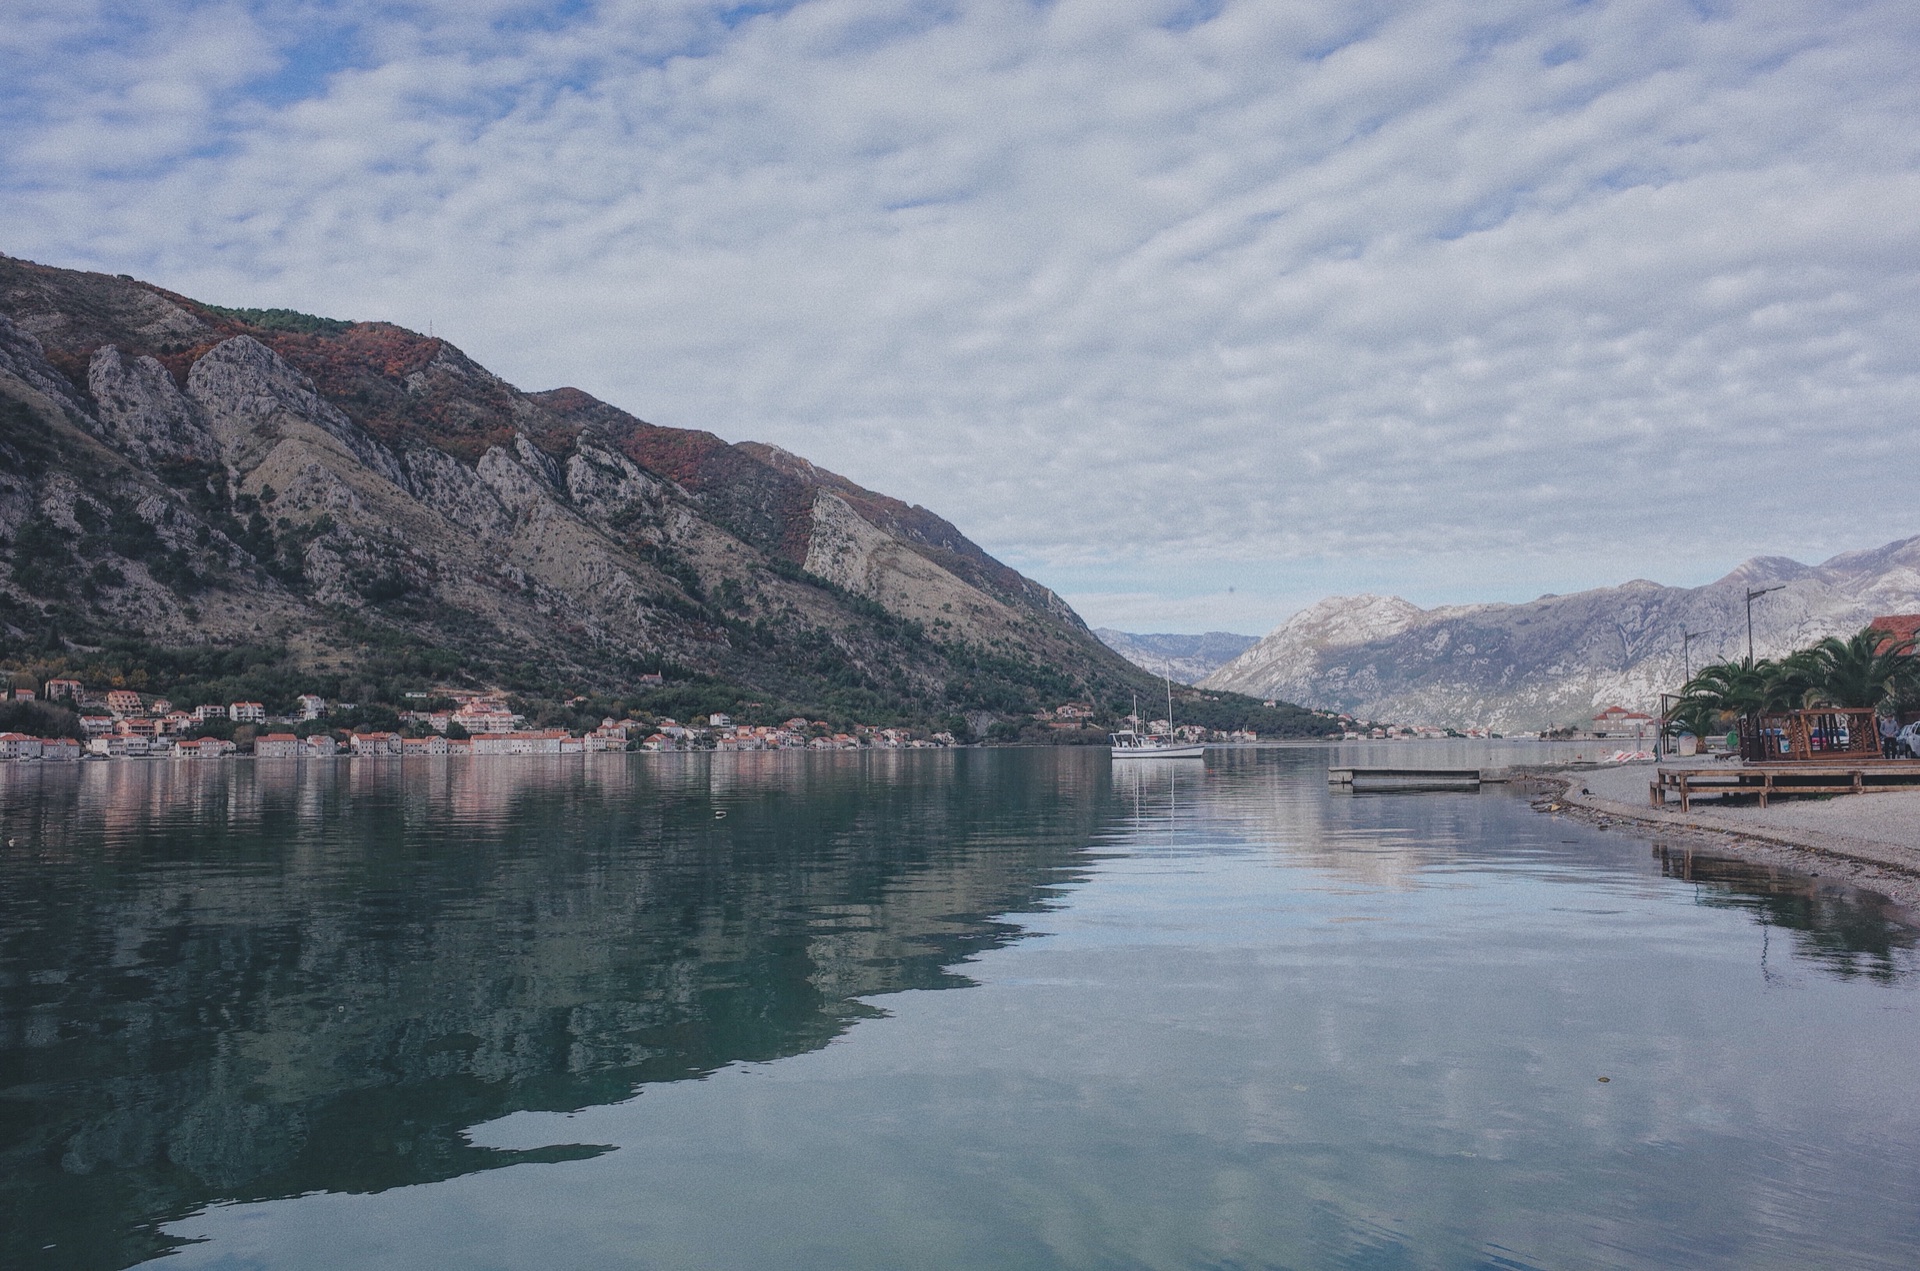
(1686, 662)
(1753, 592)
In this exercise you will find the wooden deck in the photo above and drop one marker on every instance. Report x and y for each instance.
(1765, 780)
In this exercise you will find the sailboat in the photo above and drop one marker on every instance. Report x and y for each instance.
(1128, 744)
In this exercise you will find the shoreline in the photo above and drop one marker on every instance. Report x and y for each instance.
(1890, 870)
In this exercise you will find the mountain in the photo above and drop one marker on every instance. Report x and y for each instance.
(1185, 659)
(1559, 659)
(190, 491)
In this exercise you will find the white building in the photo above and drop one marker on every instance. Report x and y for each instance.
(322, 746)
(311, 705)
(378, 744)
(277, 746)
(59, 750)
(1618, 721)
(477, 722)
(247, 713)
(19, 746)
(202, 714)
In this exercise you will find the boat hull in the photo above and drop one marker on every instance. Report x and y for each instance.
(1158, 752)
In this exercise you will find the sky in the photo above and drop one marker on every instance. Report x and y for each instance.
(1195, 310)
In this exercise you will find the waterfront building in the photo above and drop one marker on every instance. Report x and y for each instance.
(322, 746)
(59, 750)
(19, 746)
(377, 744)
(278, 746)
(1618, 721)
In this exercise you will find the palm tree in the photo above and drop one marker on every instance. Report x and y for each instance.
(1737, 687)
(1863, 670)
(1696, 714)
(1795, 682)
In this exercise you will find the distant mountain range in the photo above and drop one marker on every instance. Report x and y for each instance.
(367, 505)
(1185, 659)
(1559, 659)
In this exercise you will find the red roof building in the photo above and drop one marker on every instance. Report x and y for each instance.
(1901, 626)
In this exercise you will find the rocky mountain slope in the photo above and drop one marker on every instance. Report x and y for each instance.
(1184, 659)
(368, 502)
(1558, 659)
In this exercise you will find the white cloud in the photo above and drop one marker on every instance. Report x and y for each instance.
(1458, 294)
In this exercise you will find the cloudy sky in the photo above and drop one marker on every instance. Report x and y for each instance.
(1196, 310)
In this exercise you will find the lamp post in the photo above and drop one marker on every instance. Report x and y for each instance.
(1752, 593)
(1686, 661)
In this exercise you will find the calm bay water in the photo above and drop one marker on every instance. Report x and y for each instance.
(966, 1009)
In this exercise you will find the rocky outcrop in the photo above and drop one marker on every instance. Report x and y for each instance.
(1293, 650)
(254, 401)
(143, 412)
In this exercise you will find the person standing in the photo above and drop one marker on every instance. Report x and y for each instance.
(1889, 729)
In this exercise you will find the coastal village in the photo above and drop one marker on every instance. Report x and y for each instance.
(120, 723)
(123, 724)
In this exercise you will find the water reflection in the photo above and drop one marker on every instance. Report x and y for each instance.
(246, 982)
(253, 980)
(1842, 929)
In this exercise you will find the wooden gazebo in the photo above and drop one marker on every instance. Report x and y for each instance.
(1828, 734)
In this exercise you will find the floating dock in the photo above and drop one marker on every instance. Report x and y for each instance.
(1404, 778)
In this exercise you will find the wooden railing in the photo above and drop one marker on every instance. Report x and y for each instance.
(1830, 734)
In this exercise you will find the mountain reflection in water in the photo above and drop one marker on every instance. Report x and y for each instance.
(252, 980)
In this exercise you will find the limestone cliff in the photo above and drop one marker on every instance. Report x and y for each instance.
(1559, 659)
(177, 473)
